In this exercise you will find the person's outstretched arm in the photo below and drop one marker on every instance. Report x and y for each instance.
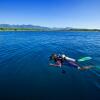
(58, 64)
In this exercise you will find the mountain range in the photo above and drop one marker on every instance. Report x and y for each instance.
(40, 28)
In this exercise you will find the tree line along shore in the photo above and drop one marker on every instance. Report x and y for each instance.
(39, 29)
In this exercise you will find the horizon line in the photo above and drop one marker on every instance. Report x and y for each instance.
(52, 26)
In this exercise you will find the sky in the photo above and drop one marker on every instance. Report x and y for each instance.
(51, 13)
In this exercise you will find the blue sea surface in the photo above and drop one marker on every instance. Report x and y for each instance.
(26, 75)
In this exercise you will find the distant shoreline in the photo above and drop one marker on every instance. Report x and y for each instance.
(49, 30)
(7, 27)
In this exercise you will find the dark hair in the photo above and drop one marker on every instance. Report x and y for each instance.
(54, 54)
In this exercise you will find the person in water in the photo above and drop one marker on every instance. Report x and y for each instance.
(59, 61)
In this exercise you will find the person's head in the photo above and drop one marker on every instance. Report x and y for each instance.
(54, 56)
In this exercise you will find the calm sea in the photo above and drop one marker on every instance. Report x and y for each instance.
(24, 70)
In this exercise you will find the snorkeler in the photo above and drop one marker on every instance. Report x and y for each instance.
(61, 59)
(58, 61)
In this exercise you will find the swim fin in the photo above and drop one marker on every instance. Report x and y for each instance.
(84, 59)
(86, 67)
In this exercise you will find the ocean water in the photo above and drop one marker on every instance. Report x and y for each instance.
(24, 70)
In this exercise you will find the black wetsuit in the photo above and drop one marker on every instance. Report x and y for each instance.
(57, 59)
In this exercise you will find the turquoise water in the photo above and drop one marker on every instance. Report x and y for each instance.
(24, 70)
